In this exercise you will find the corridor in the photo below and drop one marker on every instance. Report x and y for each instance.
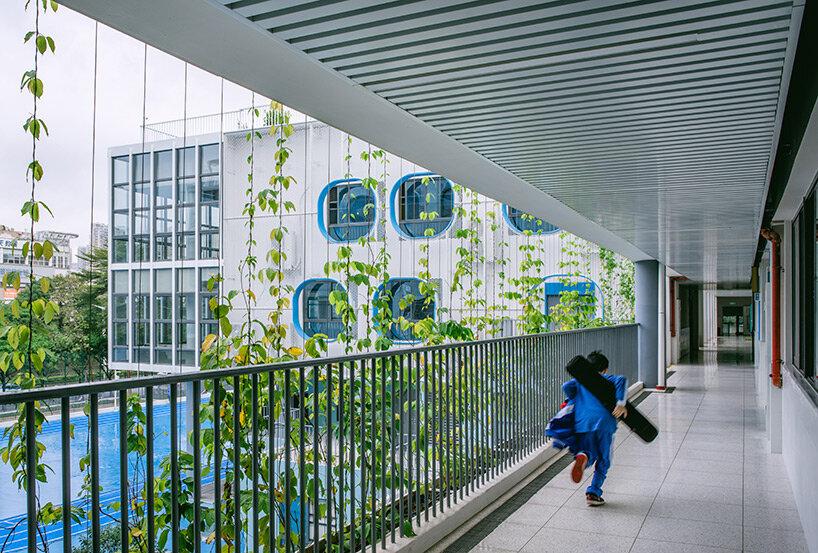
(706, 485)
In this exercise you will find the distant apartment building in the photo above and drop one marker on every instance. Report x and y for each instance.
(12, 260)
(99, 239)
(177, 218)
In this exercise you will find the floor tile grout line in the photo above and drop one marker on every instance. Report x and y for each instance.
(675, 456)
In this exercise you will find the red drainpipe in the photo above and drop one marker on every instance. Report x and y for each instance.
(673, 281)
(775, 247)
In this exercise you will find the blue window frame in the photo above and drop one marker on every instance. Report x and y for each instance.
(417, 195)
(522, 222)
(347, 210)
(553, 290)
(405, 300)
(313, 312)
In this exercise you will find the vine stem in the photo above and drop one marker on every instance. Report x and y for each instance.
(33, 187)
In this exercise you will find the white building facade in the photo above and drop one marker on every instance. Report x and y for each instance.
(178, 217)
(12, 260)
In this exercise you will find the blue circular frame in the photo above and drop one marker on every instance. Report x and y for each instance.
(322, 221)
(392, 211)
(297, 306)
(375, 308)
(513, 227)
(562, 286)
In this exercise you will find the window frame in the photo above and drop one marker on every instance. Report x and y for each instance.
(398, 212)
(301, 319)
(328, 200)
(512, 216)
(395, 333)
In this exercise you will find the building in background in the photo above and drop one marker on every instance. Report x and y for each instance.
(99, 239)
(12, 260)
(177, 216)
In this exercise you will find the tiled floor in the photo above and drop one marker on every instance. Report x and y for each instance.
(707, 484)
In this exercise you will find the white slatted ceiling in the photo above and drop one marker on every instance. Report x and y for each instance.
(654, 119)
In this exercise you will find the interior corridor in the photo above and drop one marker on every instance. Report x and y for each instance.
(706, 484)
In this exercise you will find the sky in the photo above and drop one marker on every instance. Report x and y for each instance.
(67, 109)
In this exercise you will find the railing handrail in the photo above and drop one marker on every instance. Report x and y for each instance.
(81, 389)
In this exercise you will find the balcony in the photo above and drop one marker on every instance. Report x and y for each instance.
(341, 453)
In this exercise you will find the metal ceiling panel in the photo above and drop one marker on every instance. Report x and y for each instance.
(647, 126)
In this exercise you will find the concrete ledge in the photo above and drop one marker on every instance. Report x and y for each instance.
(442, 530)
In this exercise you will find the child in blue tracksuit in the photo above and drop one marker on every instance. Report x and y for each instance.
(594, 427)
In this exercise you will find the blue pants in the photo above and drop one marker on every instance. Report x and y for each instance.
(597, 445)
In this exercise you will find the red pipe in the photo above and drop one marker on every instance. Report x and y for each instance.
(775, 247)
(673, 281)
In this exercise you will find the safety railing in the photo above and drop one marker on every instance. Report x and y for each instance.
(340, 454)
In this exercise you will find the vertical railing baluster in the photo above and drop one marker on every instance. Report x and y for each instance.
(457, 419)
(174, 468)
(415, 359)
(315, 450)
(196, 438)
(302, 483)
(446, 388)
(342, 476)
(432, 419)
(271, 463)
(31, 480)
(374, 438)
(430, 438)
(254, 454)
(95, 506)
(329, 486)
(65, 457)
(217, 463)
(352, 451)
(288, 515)
(237, 408)
(383, 436)
(124, 532)
(149, 456)
(403, 432)
(394, 430)
(439, 418)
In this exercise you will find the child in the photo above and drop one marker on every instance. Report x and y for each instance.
(594, 427)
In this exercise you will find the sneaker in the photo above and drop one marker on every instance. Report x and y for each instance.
(580, 462)
(594, 500)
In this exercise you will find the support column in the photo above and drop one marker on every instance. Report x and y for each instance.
(661, 321)
(646, 279)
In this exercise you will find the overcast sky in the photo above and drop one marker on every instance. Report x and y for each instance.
(67, 108)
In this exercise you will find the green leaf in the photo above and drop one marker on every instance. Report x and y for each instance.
(42, 44)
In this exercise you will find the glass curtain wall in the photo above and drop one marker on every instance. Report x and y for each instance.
(141, 208)
(120, 202)
(163, 205)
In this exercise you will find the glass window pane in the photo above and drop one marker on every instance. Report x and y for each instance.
(163, 334)
(186, 162)
(162, 249)
(210, 189)
(164, 308)
(141, 168)
(163, 281)
(186, 358)
(187, 334)
(185, 280)
(120, 307)
(186, 246)
(205, 312)
(141, 307)
(120, 170)
(141, 222)
(120, 224)
(142, 248)
(204, 276)
(120, 284)
(184, 305)
(163, 356)
(209, 159)
(209, 246)
(206, 329)
(142, 281)
(120, 198)
(210, 217)
(428, 195)
(120, 334)
(186, 219)
(163, 223)
(142, 355)
(141, 196)
(162, 163)
(164, 193)
(141, 335)
(121, 354)
(120, 250)
(186, 191)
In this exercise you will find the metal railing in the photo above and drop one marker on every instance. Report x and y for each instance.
(340, 454)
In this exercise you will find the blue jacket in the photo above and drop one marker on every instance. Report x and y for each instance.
(589, 414)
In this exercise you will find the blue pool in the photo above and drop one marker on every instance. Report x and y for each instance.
(13, 505)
